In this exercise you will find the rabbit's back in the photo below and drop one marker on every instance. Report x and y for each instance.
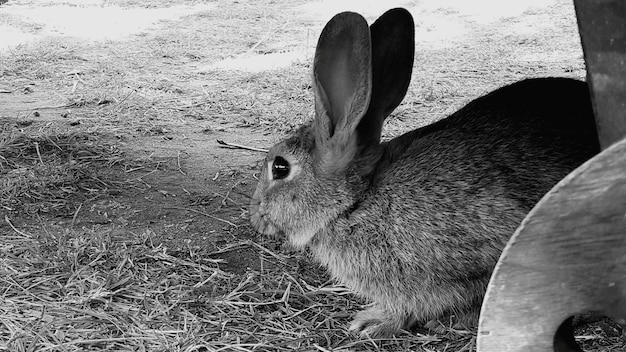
(517, 142)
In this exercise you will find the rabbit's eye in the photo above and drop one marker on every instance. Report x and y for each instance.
(280, 168)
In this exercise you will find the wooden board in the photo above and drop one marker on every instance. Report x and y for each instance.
(567, 257)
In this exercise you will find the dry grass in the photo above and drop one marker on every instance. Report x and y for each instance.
(41, 173)
(69, 290)
(103, 286)
(73, 291)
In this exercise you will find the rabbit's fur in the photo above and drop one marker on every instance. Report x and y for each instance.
(415, 224)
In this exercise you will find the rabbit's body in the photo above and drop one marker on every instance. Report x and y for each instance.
(481, 170)
(416, 224)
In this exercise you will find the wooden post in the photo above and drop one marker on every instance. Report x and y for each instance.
(602, 27)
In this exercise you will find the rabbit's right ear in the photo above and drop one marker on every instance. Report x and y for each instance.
(342, 81)
(393, 50)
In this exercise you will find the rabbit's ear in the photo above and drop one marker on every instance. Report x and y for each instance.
(342, 78)
(393, 50)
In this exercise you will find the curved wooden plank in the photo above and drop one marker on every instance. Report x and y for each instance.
(568, 256)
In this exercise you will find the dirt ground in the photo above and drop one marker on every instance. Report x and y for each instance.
(163, 82)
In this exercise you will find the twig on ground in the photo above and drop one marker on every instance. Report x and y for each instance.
(39, 153)
(125, 98)
(80, 206)
(6, 218)
(239, 146)
(180, 169)
(223, 203)
(276, 256)
(226, 197)
(50, 107)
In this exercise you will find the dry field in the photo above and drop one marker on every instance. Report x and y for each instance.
(123, 224)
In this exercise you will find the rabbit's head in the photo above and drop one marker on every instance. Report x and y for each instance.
(360, 74)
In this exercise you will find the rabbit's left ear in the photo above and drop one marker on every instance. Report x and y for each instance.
(342, 79)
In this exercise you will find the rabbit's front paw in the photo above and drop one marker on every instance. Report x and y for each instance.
(374, 322)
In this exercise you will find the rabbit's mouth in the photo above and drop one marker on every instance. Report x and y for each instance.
(263, 226)
(299, 236)
(260, 222)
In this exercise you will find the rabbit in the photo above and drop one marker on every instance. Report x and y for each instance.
(415, 224)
